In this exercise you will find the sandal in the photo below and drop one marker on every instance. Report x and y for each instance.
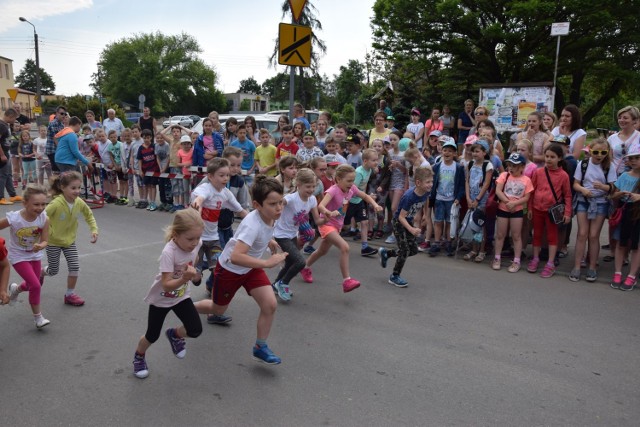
(469, 256)
(608, 258)
(563, 253)
(480, 257)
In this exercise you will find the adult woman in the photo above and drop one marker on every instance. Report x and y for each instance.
(379, 131)
(448, 121)
(550, 121)
(628, 136)
(480, 113)
(535, 132)
(465, 122)
(434, 122)
(276, 134)
(569, 126)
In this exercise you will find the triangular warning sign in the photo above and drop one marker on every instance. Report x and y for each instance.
(13, 94)
(297, 6)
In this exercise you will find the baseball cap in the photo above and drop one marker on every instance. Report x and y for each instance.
(185, 138)
(393, 119)
(436, 133)
(353, 138)
(415, 111)
(471, 139)
(561, 139)
(516, 159)
(449, 144)
(309, 133)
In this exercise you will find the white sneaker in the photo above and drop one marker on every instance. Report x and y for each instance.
(391, 240)
(41, 322)
(14, 291)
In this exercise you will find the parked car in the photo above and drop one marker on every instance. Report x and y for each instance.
(263, 121)
(195, 118)
(312, 116)
(178, 120)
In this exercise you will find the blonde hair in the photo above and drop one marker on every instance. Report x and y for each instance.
(33, 190)
(369, 153)
(633, 112)
(529, 145)
(410, 153)
(422, 173)
(344, 170)
(183, 221)
(305, 176)
(606, 161)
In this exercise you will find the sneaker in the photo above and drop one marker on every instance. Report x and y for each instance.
(574, 276)
(306, 274)
(391, 240)
(349, 233)
(153, 207)
(124, 201)
(449, 248)
(308, 250)
(178, 345)
(628, 285)
(140, 369)
(616, 281)
(4, 201)
(174, 209)
(265, 355)
(434, 250)
(218, 319)
(368, 251)
(110, 199)
(131, 203)
(283, 291)
(496, 264)
(161, 207)
(514, 267)
(167, 207)
(350, 284)
(592, 276)
(15, 199)
(41, 322)
(384, 257)
(74, 300)
(532, 267)
(547, 271)
(423, 247)
(141, 205)
(14, 291)
(398, 281)
(119, 202)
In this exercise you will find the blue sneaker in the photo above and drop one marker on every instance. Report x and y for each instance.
(283, 290)
(215, 319)
(265, 355)
(178, 345)
(308, 250)
(384, 256)
(398, 281)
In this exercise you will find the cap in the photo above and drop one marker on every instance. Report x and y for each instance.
(415, 111)
(561, 139)
(403, 144)
(516, 159)
(436, 133)
(471, 139)
(484, 144)
(89, 136)
(393, 119)
(185, 138)
(353, 138)
(445, 138)
(477, 220)
(449, 144)
(309, 133)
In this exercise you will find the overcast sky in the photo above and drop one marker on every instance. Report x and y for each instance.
(237, 38)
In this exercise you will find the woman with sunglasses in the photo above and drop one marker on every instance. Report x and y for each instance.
(621, 142)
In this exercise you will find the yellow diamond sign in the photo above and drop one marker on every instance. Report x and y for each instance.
(294, 47)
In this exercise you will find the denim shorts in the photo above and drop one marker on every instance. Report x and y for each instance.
(603, 208)
(442, 210)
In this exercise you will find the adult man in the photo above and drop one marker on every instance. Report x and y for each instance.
(385, 108)
(91, 120)
(22, 119)
(6, 179)
(298, 116)
(112, 123)
(147, 122)
(55, 126)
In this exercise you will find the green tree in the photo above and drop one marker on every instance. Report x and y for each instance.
(165, 68)
(26, 79)
(348, 83)
(424, 42)
(250, 85)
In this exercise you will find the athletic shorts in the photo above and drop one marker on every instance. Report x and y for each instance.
(326, 229)
(226, 284)
(357, 211)
(150, 180)
(506, 214)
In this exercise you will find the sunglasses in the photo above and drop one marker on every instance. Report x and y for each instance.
(624, 149)
(480, 114)
(599, 152)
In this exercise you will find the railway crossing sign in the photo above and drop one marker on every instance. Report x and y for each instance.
(294, 47)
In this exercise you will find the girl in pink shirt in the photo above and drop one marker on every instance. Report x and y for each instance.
(434, 123)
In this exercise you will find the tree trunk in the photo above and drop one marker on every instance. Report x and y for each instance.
(576, 87)
(609, 93)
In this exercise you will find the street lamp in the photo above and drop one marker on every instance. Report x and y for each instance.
(38, 86)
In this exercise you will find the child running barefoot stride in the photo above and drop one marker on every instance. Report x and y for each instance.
(63, 212)
(332, 208)
(170, 289)
(241, 265)
(29, 233)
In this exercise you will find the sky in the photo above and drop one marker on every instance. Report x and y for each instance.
(237, 38)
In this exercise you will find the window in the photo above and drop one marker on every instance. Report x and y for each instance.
(6, 71)
(4, 107)
(0, 72)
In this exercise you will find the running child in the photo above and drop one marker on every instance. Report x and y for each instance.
(398, 169)
(332, 208)
(288, 167)
(241, 265)
(319, 167)
(170, 290)
(294, 227)
(378, 188)
(63, 212)
(411, 203)
(29, 233)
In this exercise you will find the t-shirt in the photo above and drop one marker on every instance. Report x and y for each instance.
(361, 181)
(618, 148)
(295, 217)
(253, 232)
(266, 156)
(116, 152)
(214, 202)
(172, 260)
(103, 151)
(27, 148)
(287, 150)
(40, 144)
(594, 173)
(476, 181)
(24, 234)
(573, 137)
(415, 129)
(305, 154)
(514, 189)
(374, 134)
(135, 147)
(338, 202)
(411, 203)
(430, 126)
(148, 157)
(162, 154)
(248, 148)
(185, 157)
(355, 160)
(207, 142)
(446, 182)
(626, 182)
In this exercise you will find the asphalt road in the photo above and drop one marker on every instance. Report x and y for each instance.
(462, 345)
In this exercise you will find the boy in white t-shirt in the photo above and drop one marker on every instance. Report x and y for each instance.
(241, 265)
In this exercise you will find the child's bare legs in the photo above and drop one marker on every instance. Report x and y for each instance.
(207, 306)
(333, 239)
(502, 226)
(437, 230)
(524, 234)
(635, 263)
(595, 227)
(267, 302)
(620, 254)
(581, 239)
(516, 237)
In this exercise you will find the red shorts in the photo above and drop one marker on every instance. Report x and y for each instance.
(226, 284)
(3, 249)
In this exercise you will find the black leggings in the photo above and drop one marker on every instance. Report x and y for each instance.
(186, 312)
(293, 263)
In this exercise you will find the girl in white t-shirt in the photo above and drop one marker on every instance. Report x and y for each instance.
(293, 229)
(29, 234)
(42, 161)
(170, 289)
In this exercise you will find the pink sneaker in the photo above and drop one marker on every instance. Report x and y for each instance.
(306, 275)
(74, 300)
(532, 267)
(548, 271)
(350, 284)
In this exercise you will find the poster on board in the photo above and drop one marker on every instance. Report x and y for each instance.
(509, 105)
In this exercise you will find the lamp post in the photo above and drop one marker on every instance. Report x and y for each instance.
(38, 85)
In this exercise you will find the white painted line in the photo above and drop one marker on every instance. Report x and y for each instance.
(120, 249)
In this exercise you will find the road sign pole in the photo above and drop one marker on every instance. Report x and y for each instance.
(292, 80)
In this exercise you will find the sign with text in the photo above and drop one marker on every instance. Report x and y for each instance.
(559, 29)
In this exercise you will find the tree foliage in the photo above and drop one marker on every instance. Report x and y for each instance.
(26, 79)
(165, 68)
(438, 46)
(250, 85)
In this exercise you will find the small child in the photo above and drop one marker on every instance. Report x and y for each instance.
(416, 127)
(287, 147)
(410, 205)
(308, 150)
(147, 162)
(298, 131)
(397, 185)
(332, 155)
(208, 145)
(293, 227)
(115, 152)
(241, 265)
(248, 149)
(332, 208)
(109, 178)
(63, 212)
(355, 154)
(415, 160)
(27, 152)
(29, 233)
(185, 160)
(319, 167)
(378, 188)
(288, 167)
(170, 290)
(136, 143)
(43, 164)
(265, 155)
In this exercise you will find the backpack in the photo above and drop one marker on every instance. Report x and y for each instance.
(584, 165)
(494, 174)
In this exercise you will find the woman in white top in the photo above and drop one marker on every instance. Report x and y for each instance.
(621, 142)
(569, 126)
